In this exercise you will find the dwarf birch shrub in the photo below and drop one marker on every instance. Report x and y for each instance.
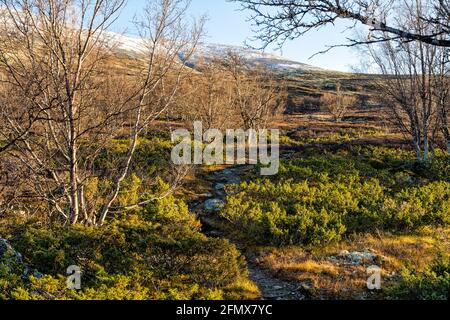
(157, 253)
(318, 199)
(433, 283)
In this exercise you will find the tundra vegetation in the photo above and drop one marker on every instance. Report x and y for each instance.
(86, 177)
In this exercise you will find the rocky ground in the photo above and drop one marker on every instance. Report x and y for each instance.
(271, 288)
(10, 259)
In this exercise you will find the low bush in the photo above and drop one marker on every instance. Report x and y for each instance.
(433, 283)
(156, 254)
(318, 199)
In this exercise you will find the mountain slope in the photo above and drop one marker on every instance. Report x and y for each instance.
(251, 56)
(135, 46)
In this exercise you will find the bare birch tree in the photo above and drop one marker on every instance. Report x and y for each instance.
(49, 54)
(277, 21)
(337, 104)
(208, 96)
(257, 95)
(228, 92)
(442, 74)
(67, 100)
(413, 84)
(167, 35)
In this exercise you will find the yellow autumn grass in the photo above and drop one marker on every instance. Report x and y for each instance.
(333, 278)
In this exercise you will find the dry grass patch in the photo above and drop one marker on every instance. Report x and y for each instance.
(323, 274)
(298, 261)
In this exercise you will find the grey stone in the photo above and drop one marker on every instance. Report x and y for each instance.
(221, 194)
(3, 247)
(213, 205)
(357, 257)
(219, 186)
(333, 259)
(8, 254)
(205, 195)
(10, 258)
(277, 287)
(37, 274)
(233, 180)
(227, 172)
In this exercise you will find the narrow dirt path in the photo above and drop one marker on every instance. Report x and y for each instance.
(271, 288)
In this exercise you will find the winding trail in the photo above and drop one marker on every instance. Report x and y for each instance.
(271, 287)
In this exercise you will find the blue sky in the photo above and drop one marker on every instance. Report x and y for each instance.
(228, 25)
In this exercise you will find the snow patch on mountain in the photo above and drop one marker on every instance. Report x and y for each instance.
(251, 56)
(208, 52)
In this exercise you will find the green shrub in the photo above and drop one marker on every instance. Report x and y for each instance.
(430, 284)
(156, 254)
(440, 168)
(297, 213)
(418, 206)
(321, 198)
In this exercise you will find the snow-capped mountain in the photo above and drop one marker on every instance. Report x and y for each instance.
(251, 56)
(208, 52)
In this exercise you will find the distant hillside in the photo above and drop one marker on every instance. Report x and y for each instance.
(254, 57)
(205, 51)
